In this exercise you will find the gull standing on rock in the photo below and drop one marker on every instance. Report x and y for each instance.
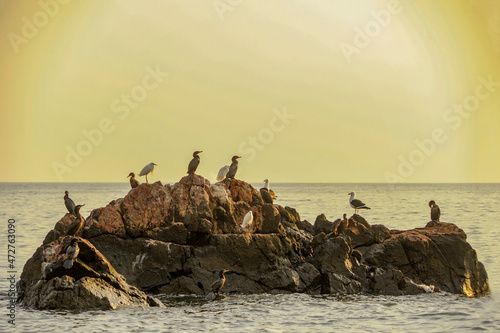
(133, 182)
(71, 253)
(271, 192)
(266, 196)
(233, 168)
(77, 223)
(217, 286)
(355, 203)
(435, 211)
(193, 165)
(70, 205)
(247, 221)
(146, 170)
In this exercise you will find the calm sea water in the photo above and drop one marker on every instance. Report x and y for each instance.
(473, 207)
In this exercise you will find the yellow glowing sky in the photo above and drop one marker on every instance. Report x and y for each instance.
(228, 70)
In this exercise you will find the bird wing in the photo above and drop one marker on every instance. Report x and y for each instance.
(273, 195)
(216, 286)
(357, 203)
(70, 205)
(222, 172)
(435, 212)
(134, 182)
(247, 220)
(145, 170)
(193, 165)
(232, 170)
(266, 196)
(72, 252)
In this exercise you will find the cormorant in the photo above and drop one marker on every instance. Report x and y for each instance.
(133, 182)
(247, 221)
(193, 165)
(71, 253)
(435, 211)
(146, 170)
(70, 205)
(356, 204)
(77, 223)
(343, 224)
(233, 168)
(266, 184)
(266, 196)
(222, 173)
(217, 286)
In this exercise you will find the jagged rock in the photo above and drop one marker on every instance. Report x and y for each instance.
(323, 225)
(359, 231)
(271, 222)
(309, 276)
(337, 283)
(91, 283)
(174, 239)
(306, 226)
(433, 256)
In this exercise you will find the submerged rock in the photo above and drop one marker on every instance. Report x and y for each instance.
(174, 239)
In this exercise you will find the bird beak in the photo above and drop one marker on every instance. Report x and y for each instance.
(155, 164)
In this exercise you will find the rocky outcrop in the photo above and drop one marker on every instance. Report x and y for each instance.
(436, 255)
(174, 239)
(91, 283)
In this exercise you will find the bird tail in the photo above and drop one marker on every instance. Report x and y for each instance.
(68, 263)
(211, 296)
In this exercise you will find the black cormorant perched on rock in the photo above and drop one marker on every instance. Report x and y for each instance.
(343, 224)
(266, 196)
(356, 204)
(435, 211)
(193, 165)
(77, 223)
(216, 287)
(71, 253)
(70, 205)
(133, 182)
(233, 168)
(146, 170)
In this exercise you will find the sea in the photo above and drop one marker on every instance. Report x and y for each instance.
(36, 207)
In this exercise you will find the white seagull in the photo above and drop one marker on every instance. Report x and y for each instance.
(222, 173)
(147, 169)
(247, 220)
(356, 204)
(266, 184)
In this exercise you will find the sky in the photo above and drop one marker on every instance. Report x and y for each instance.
(305, 91)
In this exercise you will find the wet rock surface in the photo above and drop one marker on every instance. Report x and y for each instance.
(174, 239)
